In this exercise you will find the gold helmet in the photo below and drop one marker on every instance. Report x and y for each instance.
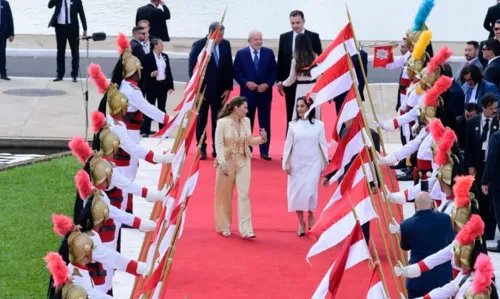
(462, 210)
(444, 156)
(100, 209)
(131, 64)
(427, 80)
(463, 246)
(412, 36)
(80, 246)
(117, 101)
(469, 294)
(100, 170)
(419, 56)
(73, 291)
(109, 141)
(428, 109)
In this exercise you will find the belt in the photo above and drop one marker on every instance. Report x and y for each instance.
(306, 82)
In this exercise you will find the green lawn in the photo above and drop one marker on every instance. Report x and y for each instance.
(28, 197)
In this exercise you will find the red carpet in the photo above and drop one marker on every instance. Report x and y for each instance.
(207, 265)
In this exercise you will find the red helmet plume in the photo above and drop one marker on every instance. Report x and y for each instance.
(484, 274)
(98, 121)
(447, 141)
(461, 190)
(80, 149)
(443, 83)
(83, 184)
(98, 77)
(62, 224)
(437, 129)
(122, 43)
(57, 268)
(441, 57)
(471, 230)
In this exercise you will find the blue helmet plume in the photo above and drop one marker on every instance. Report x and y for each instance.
(422, 14)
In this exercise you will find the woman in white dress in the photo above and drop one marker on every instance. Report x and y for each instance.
(303, 57)
(304, 158)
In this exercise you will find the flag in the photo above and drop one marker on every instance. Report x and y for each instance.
(375, 287)
(348, 111)
(382, 56)
(334, 82)
(335, 51)
(354, 251)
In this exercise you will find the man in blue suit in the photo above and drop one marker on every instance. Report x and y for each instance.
(255, 72)
(6, 32)
(475, 86)
(426, 233)
(218, 82)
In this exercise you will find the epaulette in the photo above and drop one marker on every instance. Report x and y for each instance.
(76, 272)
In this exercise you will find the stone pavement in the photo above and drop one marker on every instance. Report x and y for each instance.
(183, 45)
(28, 111)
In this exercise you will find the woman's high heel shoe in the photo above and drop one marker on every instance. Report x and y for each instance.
(311, 223)
(301, 232)
(249, 236)
(226, 234)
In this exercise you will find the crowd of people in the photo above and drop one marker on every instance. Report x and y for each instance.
(449, 130)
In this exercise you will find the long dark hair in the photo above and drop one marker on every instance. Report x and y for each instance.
(229, 108)
(312, 114)
(304, 55)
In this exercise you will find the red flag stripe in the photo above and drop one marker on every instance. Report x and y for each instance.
(344, 35)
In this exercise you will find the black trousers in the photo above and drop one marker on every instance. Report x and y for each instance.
(70, 34)
(3, 59)
(486, 209)
(156, 92)
(262, 104)
(412, 293)
(495, 197)
(214, 102)
(290, 102)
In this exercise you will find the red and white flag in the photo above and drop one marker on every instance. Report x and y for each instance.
(375, 287)
(353, 252)
(335, 51)
(348, 111)
(382, 56)
(334, 82)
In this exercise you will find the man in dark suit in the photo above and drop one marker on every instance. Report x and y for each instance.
(479, 131)
(471, 110)
(255, 72)
(475, 86)
(157, 13)
(285, 54)
(491, 17)
(6, 32)
(218, 82)
(137, 46)
(491, 180)
(425, 233)
(491, 52)
(65, 22)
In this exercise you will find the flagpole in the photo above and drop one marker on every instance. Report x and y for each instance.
(376, 173)
(363, 71)
(372, 241)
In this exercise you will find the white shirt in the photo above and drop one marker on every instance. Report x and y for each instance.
(253, 54)
(65, 9)
(472, 95)
(491, 60)
(293, 39)
(161, 65)
(145, 46)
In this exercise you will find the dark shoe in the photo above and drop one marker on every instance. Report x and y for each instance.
(145, 135)
(214, 155)
(406, 176)
(57, 79)
(266, 157)
(5, 78)
(494, 249)
(203, 155)
(400, 165)
(126, 226)
(302, 230)
(75, 80)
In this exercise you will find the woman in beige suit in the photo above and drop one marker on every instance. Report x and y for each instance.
(232, 140)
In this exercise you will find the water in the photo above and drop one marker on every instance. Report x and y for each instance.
(373, 20)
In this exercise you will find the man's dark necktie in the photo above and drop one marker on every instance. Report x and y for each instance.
(256, 60)
(468, 94)
(486, 127)
(66, 9)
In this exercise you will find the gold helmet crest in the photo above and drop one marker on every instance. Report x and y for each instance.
(100, 170)
(117, 101)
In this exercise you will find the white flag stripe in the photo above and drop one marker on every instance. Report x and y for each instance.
(357, 253)
(357, 178)
(342, 228)
(177, 162)
(336, 87)
(169, 202)
(349, 111)
(333, 57)
(353, 148)
(377, 292)
(156, 294)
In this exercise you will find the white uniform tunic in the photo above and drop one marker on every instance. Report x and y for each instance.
(80, 277)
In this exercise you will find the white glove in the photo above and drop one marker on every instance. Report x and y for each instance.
(387, 125)
(415, 129)
(410, 271)
(397, 197)
(154, 195)
(387, 160)
(394, 227)
(163, 158)
(142, 268)
(147, 225)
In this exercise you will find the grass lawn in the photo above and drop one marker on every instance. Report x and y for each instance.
(28, 197)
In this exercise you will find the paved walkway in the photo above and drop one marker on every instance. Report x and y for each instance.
(183, 45)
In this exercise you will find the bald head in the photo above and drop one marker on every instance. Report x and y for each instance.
(255, 39)
(423, 201)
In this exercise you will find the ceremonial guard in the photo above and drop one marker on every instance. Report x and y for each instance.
(63, 285)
